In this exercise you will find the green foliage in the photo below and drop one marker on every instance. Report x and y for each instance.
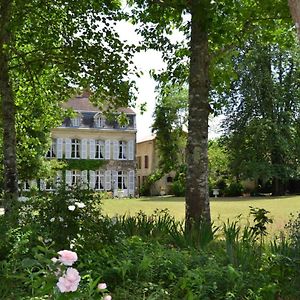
(83, 164)
(152, 257)
(233, 189)
(61, 217)
(261, 220)
(262, 114)
(178, 185)
(170, 116)
(145, 189)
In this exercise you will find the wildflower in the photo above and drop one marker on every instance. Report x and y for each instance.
(107, 297)
(102, 286)
(80, 204)
(61, 219)
(52, 220)
(54, 259)
(69, 282)
(67, 257)
(71, 207)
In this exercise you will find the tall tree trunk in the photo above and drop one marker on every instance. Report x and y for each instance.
(197, 200)
(8, 112)
(295, 12)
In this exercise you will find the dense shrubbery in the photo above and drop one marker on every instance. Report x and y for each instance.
(143, 257)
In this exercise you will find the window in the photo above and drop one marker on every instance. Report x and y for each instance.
(99, 180)
(146, 162)
(52, 151)
(76, 177)
(76, 121)
(99, 121)
(169, 179)
(122, 180)
(122, 150)
(26, 185)
(139, 162)
(75, 148)
(99, 149)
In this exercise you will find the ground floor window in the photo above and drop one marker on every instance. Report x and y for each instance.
(99, 180)
(76, 177)
(122, 180)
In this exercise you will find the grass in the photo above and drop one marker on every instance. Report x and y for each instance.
(221, 208)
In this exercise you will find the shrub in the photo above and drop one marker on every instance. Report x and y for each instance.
(233, 189)
(178, 188)
(62, 216)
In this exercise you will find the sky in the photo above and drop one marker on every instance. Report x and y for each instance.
(145, 62)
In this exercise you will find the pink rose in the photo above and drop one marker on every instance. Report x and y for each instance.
(67, 257)
(102, 286)
(107, 297)
(69, 282)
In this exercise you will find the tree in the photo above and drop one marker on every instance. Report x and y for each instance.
(213, 28)
(263, 114)
(170, 116)
(295, 12)
(48, 49)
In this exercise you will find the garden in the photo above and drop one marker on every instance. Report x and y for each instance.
(64, 245)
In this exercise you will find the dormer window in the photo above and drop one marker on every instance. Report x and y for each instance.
(99, 121)
(76, 121)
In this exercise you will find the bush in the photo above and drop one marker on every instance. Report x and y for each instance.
(178, 188)
(61, 217)
(234, 189)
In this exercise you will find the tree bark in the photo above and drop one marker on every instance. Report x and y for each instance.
(8, 113)
(197, 200)
(295, 12)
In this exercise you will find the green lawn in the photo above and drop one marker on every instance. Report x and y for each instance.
(221, 208)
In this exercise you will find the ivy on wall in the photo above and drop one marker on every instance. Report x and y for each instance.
(83, 164)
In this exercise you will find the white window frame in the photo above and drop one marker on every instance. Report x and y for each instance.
(122, 150)
(99, 180)
(99, 149)
(75, 148)
(75, 177)
(122, 180)
(76, 121)
(52, 150)
(99, 121)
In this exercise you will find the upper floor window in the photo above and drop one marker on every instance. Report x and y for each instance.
(122, 150)
(75, 148)
(99, 149)
(52, 151)
(99, 121)
(139, 162)
(146, 161)
(75, 122)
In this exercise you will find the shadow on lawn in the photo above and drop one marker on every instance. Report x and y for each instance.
(170, 198)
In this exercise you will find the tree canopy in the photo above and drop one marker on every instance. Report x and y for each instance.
(47, 51)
